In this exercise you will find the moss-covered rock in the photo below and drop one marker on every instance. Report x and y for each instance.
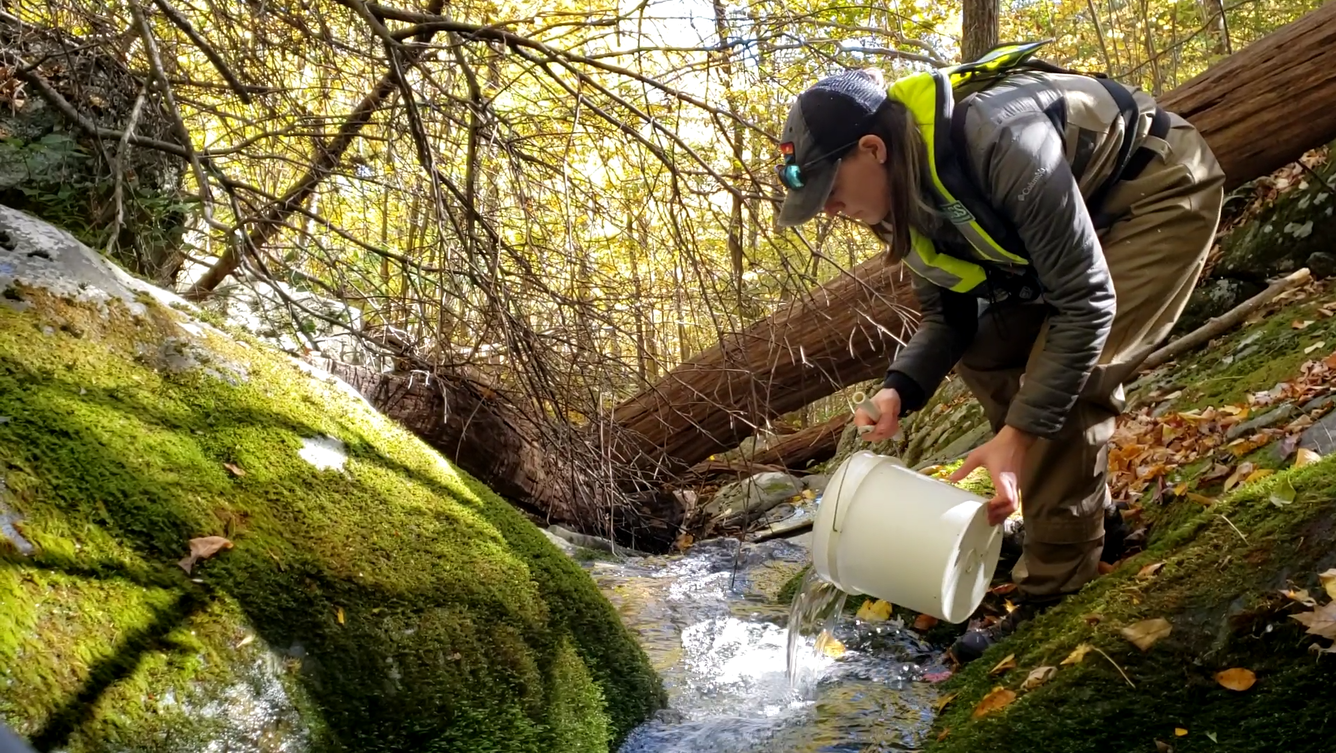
(375, 598)
(1297, 224)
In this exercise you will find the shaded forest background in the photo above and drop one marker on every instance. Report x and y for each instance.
(559, 203)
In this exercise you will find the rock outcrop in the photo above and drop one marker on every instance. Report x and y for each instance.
(368, 595)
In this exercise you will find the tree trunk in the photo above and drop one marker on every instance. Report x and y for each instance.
(840, 334)
(1267, 104)
(844, 332)
(979, 22)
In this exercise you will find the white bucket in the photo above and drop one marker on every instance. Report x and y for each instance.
(885, 530)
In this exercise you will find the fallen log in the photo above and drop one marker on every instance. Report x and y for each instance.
(1248, 106)
(792, 453)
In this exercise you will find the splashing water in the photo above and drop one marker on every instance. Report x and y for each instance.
(740, 679)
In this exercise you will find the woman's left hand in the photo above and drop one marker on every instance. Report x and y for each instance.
(1004, 457)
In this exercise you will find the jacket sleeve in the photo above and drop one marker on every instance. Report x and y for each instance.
(946, 328)
(1031, 182)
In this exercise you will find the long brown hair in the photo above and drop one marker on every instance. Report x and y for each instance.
(908, 178)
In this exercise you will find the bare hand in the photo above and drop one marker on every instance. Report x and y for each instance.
(888, 403)
(1004, 457)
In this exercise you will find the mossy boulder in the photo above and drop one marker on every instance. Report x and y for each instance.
(374, 597)
(1299, 223)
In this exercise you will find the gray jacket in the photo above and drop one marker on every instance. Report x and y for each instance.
(1039, 145)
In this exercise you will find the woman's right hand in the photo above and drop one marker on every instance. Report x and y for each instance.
(888, 402)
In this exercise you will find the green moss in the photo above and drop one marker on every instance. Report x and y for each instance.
(1274, 353)
(396, 604)
(1220, 594)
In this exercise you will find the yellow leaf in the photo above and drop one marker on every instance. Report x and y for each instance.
(1321, 622)
(1038, 676)
(1328, 580)
(1147, 633)
(1181, 489)
(1258, 474)
(829, 645)
(1304, 456)
(1004, 665)
(1236, 678)
(1078, 654)
(997, 699)
(1201, 499)
(1179, 731)
(874, 611)
(340, 615)
(944, 700)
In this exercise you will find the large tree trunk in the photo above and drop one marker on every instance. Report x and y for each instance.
(979, 23)
(840, 334)
(1267, 104)
(1259, 109)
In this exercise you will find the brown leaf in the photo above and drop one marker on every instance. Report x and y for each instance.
(942, 736)
(1163, 747)
(1004, 589)
(1078, 654)
(924, 622)
(1004, 665)
(1321, 622)
(1300, 324)
(236, 470)
(203, 548)
(997, 699)
(1236, 678)
(1104, 568)
(1300, 596)
(1147, 633)
(1093, 619)
(1038, 676)
(1150, 570)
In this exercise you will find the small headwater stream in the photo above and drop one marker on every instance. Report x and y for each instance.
(720, 640)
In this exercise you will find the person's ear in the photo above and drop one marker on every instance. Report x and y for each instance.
(874, 146)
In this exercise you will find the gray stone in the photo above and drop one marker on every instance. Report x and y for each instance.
(752, 497)
(1298, 225)
(1322, 264)
(1321, 436)
(1264, 421)
(968, 441)
(1211, 299)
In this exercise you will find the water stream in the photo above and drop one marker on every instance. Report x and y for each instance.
(720, 640)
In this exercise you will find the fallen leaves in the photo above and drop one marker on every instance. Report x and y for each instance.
(339, 614)
(998, 698)
(1304, 456)
(1147, 633)
(1004, 665)
(829, 645)
(203, 548)
(1236, 678)
(1078, 654)
(924, 622)
(1038, 676)
(1320, 622)
(1328, 581)
(1150, 570)
(874, 611)
(1283, 494)
(235, 470)
(943, 701)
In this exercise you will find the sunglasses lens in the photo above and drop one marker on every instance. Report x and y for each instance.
(791, 176)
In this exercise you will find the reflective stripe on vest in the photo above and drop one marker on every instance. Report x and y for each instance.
(928, 97)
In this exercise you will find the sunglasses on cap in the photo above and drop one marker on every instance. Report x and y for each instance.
(791, 173)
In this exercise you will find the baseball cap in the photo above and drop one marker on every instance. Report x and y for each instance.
(824, 123)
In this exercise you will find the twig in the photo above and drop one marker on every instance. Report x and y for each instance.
(1236, 528)
(1115, 665)
(185, 26)
(1226, 321)
(118, 169)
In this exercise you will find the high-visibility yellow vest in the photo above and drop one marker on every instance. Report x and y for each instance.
(929, 99)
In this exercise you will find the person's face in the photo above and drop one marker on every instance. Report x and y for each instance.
(861, 191)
